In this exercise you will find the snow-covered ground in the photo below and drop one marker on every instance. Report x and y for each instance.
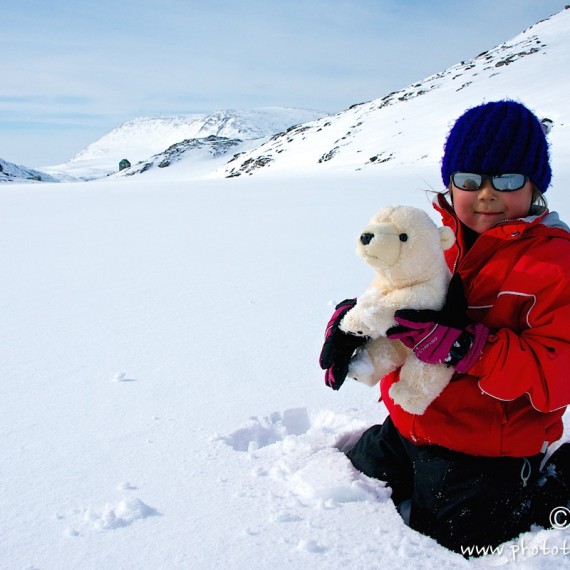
(162, 402)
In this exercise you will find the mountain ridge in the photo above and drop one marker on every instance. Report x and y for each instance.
(10, 172)
(142, 138)
(379, 132)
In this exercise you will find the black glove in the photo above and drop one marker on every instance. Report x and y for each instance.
(453, 314)
(442, 337)
(338, 347)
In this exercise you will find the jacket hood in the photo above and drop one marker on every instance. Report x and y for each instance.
(552, 220)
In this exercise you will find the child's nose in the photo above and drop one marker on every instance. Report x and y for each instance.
(486, 190)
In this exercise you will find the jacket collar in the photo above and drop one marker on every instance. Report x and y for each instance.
(537, 216)
(539, 222)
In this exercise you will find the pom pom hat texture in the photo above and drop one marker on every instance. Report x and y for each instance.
(500, 137)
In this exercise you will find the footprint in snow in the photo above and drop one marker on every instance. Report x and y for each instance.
(122, 377)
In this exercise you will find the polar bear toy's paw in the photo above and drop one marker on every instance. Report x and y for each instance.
(361, 368)
(352, 323)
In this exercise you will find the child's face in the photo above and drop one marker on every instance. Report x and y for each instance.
(482, 209)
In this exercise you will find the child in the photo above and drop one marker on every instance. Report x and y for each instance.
(468, 469)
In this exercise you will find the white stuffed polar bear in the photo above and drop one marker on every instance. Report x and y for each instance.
(405, 248)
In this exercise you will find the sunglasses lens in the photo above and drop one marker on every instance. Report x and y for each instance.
(467, 180)
(509, 182)
(503, 182)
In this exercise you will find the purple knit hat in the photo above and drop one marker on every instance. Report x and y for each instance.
(498, 138)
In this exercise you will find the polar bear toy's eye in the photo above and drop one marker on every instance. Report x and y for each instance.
(403, 237)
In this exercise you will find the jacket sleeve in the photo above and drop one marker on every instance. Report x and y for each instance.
(535, 361)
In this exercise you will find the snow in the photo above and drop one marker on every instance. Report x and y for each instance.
(162, 402)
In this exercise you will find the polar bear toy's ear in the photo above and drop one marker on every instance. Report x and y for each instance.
(446, 237)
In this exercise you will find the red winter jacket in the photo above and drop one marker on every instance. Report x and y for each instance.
(517, 282)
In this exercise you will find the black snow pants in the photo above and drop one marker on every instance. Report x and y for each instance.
(464, 502)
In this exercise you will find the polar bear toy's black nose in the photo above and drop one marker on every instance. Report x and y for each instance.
(366, 238)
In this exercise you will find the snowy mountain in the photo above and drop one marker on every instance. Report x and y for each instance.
(10, 172)
(141, 138)
(379, 132)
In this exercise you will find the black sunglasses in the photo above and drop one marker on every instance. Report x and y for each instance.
(501, 182)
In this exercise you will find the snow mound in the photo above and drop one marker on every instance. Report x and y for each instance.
(108, 516)
(264, 431)
(302, 451)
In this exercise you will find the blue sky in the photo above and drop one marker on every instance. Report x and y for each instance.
(74, 69)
